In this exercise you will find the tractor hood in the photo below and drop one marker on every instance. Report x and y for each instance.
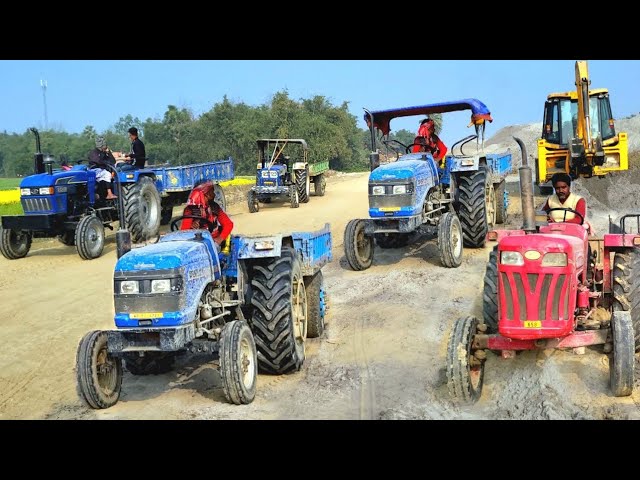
(409, 167)
(55, 179)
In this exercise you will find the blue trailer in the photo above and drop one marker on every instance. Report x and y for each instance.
(251, 307)
(175, 183)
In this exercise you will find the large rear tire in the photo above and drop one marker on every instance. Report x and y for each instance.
(319, 185)
(238, 363)
(465, 373)
(358, 247)
(476, 206)
(450, 240)
(626, 287)
(14, 244)
(98, 373)
(142, 207)
(621, 364)
(89, 237)
(316, 306)
(490, 292)
(302, 185)
(279, 318)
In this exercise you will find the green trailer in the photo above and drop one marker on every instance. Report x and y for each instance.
(284, 172)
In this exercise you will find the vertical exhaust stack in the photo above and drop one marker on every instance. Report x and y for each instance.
(526, 190)
(38, 158)
(374, 156)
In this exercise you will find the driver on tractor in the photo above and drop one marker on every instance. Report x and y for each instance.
(201, 203)
(563, 199)
(428, 141)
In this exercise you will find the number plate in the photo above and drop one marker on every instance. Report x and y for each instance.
(533, 324)
(389, 209)
(146, 315)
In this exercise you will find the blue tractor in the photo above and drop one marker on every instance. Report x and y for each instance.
(63, 204)
(249, 307)
(458, 200)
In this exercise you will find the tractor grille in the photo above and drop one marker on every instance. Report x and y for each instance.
(535, 296)
(41, 204)
(377, 201)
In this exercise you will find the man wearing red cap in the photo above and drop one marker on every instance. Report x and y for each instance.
(428, 141)
(202, 203)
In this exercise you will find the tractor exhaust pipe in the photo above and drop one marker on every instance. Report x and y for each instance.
(374, 156)
(38, 158)
(526, 190)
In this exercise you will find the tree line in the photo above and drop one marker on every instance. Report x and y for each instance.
(227, 130)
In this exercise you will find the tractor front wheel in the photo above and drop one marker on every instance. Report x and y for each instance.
(98, 373)
(89, 237)
(621, 364)
(14, 244)
(238, 363)
(358, 246)
(465, 366)
(252, 202)
(450, 240)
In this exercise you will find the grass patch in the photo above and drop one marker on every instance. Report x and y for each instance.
(9, 183)
(11, 209)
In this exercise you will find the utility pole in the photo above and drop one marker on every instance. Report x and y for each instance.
(43, 84)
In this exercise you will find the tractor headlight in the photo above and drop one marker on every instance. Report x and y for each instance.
(378, 190)
(25, 191)
(273, 173)
(399, 189)
(264, 174)
(161, 286)
(511, 258)
(129, 287)
(46, 191)
(554, 260)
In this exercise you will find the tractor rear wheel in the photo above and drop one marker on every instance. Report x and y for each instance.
(151, 363)
(465, 372)
(450, 240)
(316, 306)
(238, 363)
(294, 199)
(621, 364)
(501, 202)
(476, 206)
(319, 185)
(142, 207)
(14, 244)
(98, 373)
(89, 237)
(252, 202)
(302, 185)
(490, 292)
(358, 246)
(626, 287)
(279, 318)
(392, 240)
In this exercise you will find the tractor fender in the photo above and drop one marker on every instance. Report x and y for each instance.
(299, 166)
(465, 164)
(260, 246)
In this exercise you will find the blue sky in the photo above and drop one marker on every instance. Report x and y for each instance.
(99, 92)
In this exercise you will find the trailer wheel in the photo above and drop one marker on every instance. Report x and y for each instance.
(465, 372)
(294, 199)
(621, 363)
(89, 237)
(14, 244)
(98, 373)
(476, 206)
(358, 246)
(502, 202)
(490, 292)
(166, 213)
(279, 318)
(316, 305)
(238, 363)
(626, 287)
(219, 196)
(319, 185)
(302, 184)
(450, 240)
(252, 202)
(142, 207)
(391, 240)
(151, 363)
(68, 238)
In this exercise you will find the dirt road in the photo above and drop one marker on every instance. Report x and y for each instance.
(382, 356)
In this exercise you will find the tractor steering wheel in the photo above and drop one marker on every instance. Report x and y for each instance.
(389, 142)
(566, 210)
(174, 224)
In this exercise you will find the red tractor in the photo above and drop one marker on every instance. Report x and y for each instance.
(550, 285)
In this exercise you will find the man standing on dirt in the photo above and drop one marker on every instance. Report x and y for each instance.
(137, 153)
(563, 198)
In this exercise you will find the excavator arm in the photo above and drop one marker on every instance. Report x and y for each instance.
(583, 129)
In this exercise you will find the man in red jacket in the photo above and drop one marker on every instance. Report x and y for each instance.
(428, 141)
(202, 203)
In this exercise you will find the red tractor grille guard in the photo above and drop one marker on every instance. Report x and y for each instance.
(536, 301)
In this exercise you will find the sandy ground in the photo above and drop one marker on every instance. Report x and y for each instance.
(382, 355)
